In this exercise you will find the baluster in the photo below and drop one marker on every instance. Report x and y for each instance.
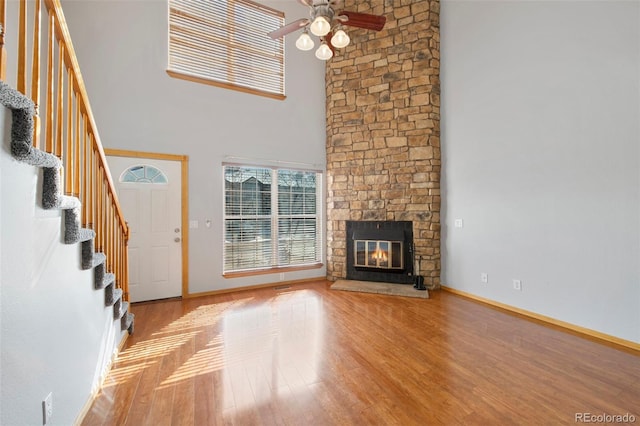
(3, 50)
(22, 48)
(112, 235)
(99, 207)
(119, 255)
(35, 74)
(50, 85)
(94, 190)
(112, 259)
(68, 168)
(59, 99)
(78, 149)
(102, 210)
(85, 173)
(94, 194)
(125, 270)
(107, 229)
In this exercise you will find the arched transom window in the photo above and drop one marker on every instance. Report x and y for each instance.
(143, 174)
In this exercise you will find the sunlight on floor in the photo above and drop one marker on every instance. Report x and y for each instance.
(273, 345)
(203, 362)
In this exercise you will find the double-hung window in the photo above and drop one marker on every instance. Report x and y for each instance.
(225, 43)
(272, 218)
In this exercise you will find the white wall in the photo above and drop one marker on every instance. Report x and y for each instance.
(541, 136)
(56, 334)
(122, 51)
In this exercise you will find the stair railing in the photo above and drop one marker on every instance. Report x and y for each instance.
(70, 131)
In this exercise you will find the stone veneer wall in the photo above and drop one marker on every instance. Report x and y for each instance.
(383, 129)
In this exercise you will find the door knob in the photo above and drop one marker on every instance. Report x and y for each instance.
(177, 239)
(176, 230)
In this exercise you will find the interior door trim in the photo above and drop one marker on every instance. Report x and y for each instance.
(184, 169)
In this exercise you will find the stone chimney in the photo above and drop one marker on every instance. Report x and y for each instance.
(383, 130)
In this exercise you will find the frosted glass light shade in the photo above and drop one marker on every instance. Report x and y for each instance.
(340, 39)
(320, 26)
(324, 52)
(304, 42)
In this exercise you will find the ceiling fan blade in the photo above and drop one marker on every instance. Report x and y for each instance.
(306, 2)
(363, 20)
(289, 28)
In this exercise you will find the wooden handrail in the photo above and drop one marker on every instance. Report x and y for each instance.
(70, 130)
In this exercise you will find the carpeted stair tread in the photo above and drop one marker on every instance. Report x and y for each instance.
(119, 309)
(22, 111)
(98, 259)
(79, 236)
(107, 279)
(67, 202)
(86, 234)
(73, 231)
(87, 253)
(111, 295)
(117, 312)
(127, 321)
(99, 273)
(51, 196)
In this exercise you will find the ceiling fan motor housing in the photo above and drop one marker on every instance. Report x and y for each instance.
(324, 10)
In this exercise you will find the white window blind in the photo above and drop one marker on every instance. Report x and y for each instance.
(225, 43)
(272, 217)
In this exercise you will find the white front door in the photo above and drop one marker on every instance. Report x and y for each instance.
(149, 191)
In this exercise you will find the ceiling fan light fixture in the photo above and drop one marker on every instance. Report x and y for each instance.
(323, 52)
(340, 39)
(304, 42)
(320, 26)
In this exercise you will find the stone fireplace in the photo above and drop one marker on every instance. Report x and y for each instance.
(383, 132)
(380, 251)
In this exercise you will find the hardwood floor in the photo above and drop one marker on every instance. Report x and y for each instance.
(313, 356)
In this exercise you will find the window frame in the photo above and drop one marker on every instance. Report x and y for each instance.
(190, 73)
(274, 218)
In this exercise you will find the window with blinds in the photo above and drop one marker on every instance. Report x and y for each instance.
(271, 217)
(225, 43)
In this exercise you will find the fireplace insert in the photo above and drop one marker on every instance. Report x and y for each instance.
(380, 251)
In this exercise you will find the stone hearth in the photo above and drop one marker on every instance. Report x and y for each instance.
(383, 130)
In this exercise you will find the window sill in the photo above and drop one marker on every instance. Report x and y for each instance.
(275, 270)
(202, 80)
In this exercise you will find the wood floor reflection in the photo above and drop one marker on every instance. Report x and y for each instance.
(307, 355)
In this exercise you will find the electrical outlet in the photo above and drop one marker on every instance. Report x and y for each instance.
(517, 285)
(484, 277)
(47, 408)
(458, 223)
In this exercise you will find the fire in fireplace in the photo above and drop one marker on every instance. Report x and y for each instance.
(380, 251)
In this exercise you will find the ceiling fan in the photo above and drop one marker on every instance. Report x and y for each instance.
(322, 21)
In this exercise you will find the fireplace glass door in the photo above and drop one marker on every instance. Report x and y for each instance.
(378, 254)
